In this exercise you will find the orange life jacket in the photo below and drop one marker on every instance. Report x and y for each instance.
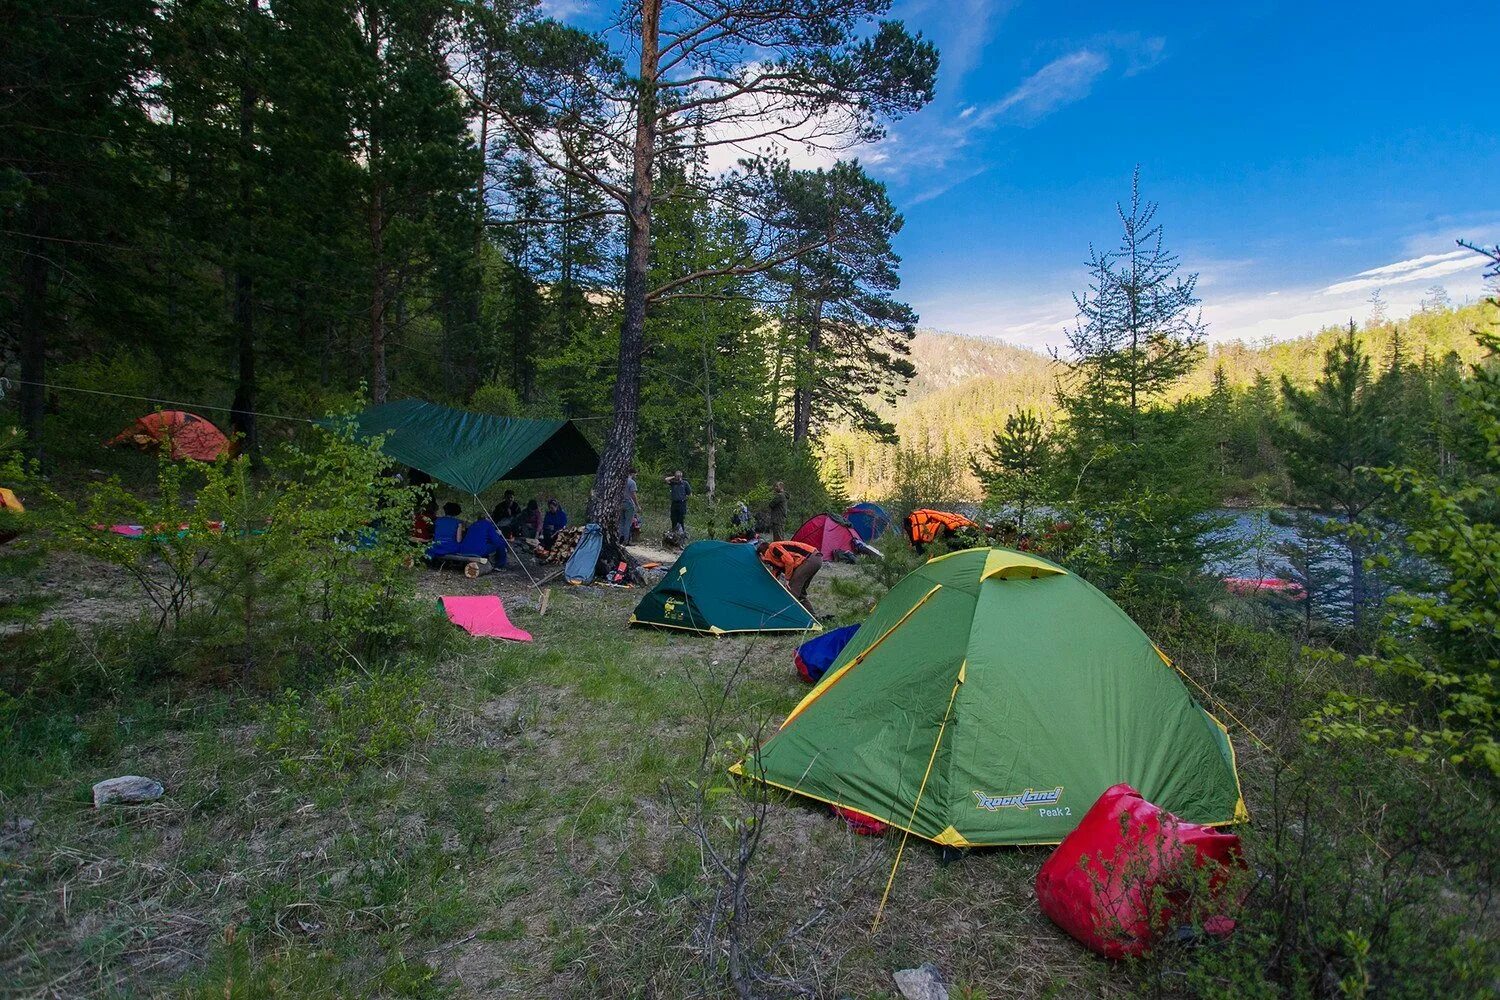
(922, 526)
(781, 558)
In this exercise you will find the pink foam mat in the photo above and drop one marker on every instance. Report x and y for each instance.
(482, 615)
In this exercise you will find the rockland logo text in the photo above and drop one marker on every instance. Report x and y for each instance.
(1022, 800)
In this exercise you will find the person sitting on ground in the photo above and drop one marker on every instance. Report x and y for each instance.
(422, 525)
(529, 523)
(482, 540)
(555, 520)
(794, 564)
(447, 531)
(506, 511)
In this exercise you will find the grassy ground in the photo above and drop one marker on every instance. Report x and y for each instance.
(522, 844)
(497, 824)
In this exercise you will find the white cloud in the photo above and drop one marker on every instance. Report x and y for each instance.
(940, 135)
(1061, 82)
(1293, 312)
(1023, 319)
(1415, 262)
(1039, 319)
(762, 123)
(564, 10)
(1406, 271)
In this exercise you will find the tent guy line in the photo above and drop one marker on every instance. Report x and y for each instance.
(6, 382)
(156, 399)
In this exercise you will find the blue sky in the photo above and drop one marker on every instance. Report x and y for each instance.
(1304, 154)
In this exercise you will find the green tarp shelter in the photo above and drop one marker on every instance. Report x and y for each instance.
(990, 698)
(719, 587)
(473, 451)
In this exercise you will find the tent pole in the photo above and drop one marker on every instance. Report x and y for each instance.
(906, 832)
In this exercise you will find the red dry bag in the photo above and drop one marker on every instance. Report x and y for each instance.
(1129, 872)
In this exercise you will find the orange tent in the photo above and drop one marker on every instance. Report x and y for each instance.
(188, 435)
(11, 505)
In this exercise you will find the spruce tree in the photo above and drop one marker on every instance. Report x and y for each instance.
(1141, 471)
(1014, 466)
(1139, 329)
(1336, 432)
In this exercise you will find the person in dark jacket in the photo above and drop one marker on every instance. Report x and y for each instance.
(776, 511)
(680, 490)
(506, 511)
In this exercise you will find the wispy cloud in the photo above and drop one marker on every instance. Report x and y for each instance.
(1293, 311)
(1061, 82)
(1234, 308)
(950, 181)
(1427, 268)
(942, 135)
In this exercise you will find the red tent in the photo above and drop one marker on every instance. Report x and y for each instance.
(827, 534)
(189, 435)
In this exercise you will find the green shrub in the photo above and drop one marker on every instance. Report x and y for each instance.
(359, 720)
(1376, 894)
(304, 564)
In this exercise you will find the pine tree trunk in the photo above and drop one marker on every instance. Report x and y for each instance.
(619, 448)
(802, 406)
(711, 474)
(473, 302)
(242, 410)
(33, 319)
(379, 383)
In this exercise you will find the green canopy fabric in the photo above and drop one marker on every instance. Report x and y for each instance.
(990, 698)
(719, 587)
(473, 451)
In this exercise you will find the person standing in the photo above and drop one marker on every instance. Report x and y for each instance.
(793, 563)
(680, 490)
(776, 511)
(628, 507)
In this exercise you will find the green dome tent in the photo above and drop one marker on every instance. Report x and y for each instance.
(989, 699)
(719, 587)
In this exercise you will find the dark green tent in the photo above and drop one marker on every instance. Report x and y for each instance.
(720, 587)
(473, 451)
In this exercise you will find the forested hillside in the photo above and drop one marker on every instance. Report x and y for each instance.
(966, 386)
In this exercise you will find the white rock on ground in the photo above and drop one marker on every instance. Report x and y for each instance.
(924, 982)
(126, 790)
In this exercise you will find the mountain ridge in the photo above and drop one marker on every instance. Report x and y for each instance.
(967, 384)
